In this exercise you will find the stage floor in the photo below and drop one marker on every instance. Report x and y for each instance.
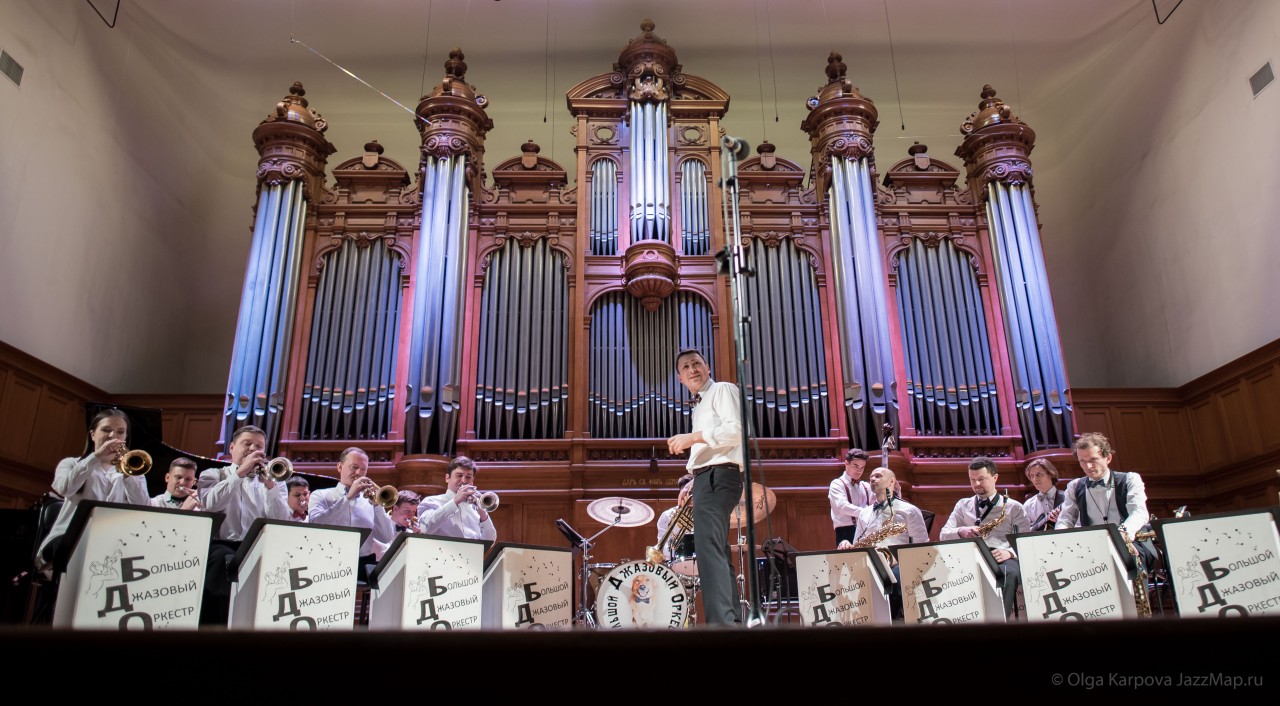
(1209, 657)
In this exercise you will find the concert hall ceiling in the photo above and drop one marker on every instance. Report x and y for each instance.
(149, 125)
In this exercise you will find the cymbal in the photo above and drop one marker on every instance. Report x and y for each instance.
(762, 503)
(623, 512)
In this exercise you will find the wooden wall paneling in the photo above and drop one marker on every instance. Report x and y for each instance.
(18, 416)
(59, 429)
(1264, 389)
(1135, 442)
(1237, 418)
(1176, 442)
(1210, 437)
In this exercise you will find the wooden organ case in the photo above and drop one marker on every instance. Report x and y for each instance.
(530, 321)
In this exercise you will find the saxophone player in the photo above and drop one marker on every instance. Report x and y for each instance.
(991, 518)
(874, 521)
(1105, 496)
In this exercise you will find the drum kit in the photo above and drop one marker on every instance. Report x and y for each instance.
(645, 594)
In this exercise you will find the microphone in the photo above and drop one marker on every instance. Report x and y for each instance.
(737, 147)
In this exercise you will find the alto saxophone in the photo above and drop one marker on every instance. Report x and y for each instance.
(990, 526)
(887, 530)
(1142, 602)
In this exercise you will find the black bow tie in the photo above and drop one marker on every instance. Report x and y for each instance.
(697, 397)
(1096, 483)
(880, 506)
(984, 503)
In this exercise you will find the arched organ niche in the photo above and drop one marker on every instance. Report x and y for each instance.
(529, 315)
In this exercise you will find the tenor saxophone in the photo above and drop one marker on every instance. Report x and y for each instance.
(1142, 602)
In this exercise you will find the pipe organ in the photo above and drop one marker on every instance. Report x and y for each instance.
(529, 317)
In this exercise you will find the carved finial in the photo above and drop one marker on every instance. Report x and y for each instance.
(529, 154)
(455, 67)
(766, 147)
(917, 148)
(988, 91)
(836, 67)
(297, 89)
(373, 147)
(647, 26)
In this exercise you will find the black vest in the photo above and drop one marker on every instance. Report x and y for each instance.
(1120, 482)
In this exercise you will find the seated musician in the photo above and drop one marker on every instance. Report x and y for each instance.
(998, 517)
(1043, 507)
(874, 527)
(299, 498)
(180, 486)
(456, 513)
(1105, 496)
(93, 476)
(404, 514)
(664, 520)
(848, 494)
(243, 492)
(349, 504)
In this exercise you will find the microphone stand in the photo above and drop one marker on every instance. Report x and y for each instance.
(730, 261)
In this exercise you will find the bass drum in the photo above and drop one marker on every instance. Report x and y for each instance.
(641, 594)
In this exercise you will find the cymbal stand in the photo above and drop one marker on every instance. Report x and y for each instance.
(583, 616)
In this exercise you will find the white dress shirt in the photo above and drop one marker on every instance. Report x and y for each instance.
(1102, 504)
(439, 514)
(847, 497)
(966, 514)
(166, 500)
(870, 520)
(241, 500)
(89, 478)
(719, 417)
(331, 507)
(1039, 505)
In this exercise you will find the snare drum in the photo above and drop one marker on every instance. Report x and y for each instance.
(684, 560)
(641, 594)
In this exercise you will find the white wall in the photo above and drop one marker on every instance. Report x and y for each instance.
(1157, 178)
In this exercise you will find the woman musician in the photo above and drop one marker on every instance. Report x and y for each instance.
(95, 475)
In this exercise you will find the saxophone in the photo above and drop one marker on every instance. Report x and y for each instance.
(680, 524)
(990, 526)
(1141, 601)
(887, 530)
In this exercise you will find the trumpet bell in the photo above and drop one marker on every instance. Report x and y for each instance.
(134, 463)
(385, 496)
(487, 501)
(278, 469)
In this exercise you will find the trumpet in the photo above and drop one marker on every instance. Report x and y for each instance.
(277, 469)
(487, 501)
(384, 496)
(133, 463)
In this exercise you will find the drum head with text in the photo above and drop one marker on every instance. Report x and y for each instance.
(641, 594)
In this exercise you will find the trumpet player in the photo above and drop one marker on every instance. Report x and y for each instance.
(243, 494)
(239, 490)
(992, 518)
(457, 512)
(180, 486)
(405, 512)
(349, 504)
(299, 498)
(94, 475)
